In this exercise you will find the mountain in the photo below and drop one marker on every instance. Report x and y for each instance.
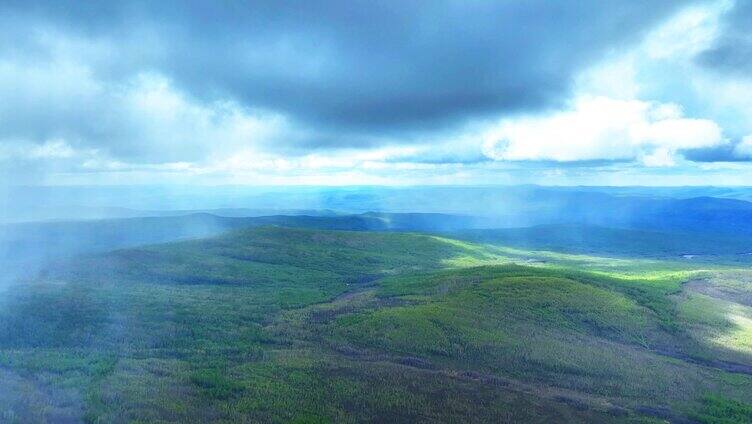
(727, 222)
(275, 324)
(617, 242)
(27, 246)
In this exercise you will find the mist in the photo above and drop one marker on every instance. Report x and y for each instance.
(43, 225)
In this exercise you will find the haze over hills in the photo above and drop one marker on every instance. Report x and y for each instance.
(511, 203)
(513, 207)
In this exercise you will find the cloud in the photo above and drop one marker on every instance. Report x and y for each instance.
(659, 157)
(336, 88)
(348, 66)
(744, 148)
(732, 51)
(143, 119)
(602, 128)
(658, 75)
(735, 151)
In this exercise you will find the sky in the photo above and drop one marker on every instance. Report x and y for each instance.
(595, 92)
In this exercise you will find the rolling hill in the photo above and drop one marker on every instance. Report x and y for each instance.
(274, 324)
(26, 247)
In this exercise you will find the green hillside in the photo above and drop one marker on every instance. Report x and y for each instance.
(292, 325)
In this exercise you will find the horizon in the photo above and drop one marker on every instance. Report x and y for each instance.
(479, 185)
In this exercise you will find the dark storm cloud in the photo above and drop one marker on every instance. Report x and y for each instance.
(341, 67)
(733, 50)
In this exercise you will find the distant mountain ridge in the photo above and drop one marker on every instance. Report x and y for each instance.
(711, 219)
(510, 206)
(616, 242)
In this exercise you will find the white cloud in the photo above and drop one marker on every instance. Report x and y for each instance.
(631, 105)
(58, 102)
(169, 125)
(615, 78)
(659, 157)
(56, 149)
(602, 128)
(52, 149)
(744, 148)
(688, 33)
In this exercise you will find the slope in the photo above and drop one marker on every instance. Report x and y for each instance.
(275, 324)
